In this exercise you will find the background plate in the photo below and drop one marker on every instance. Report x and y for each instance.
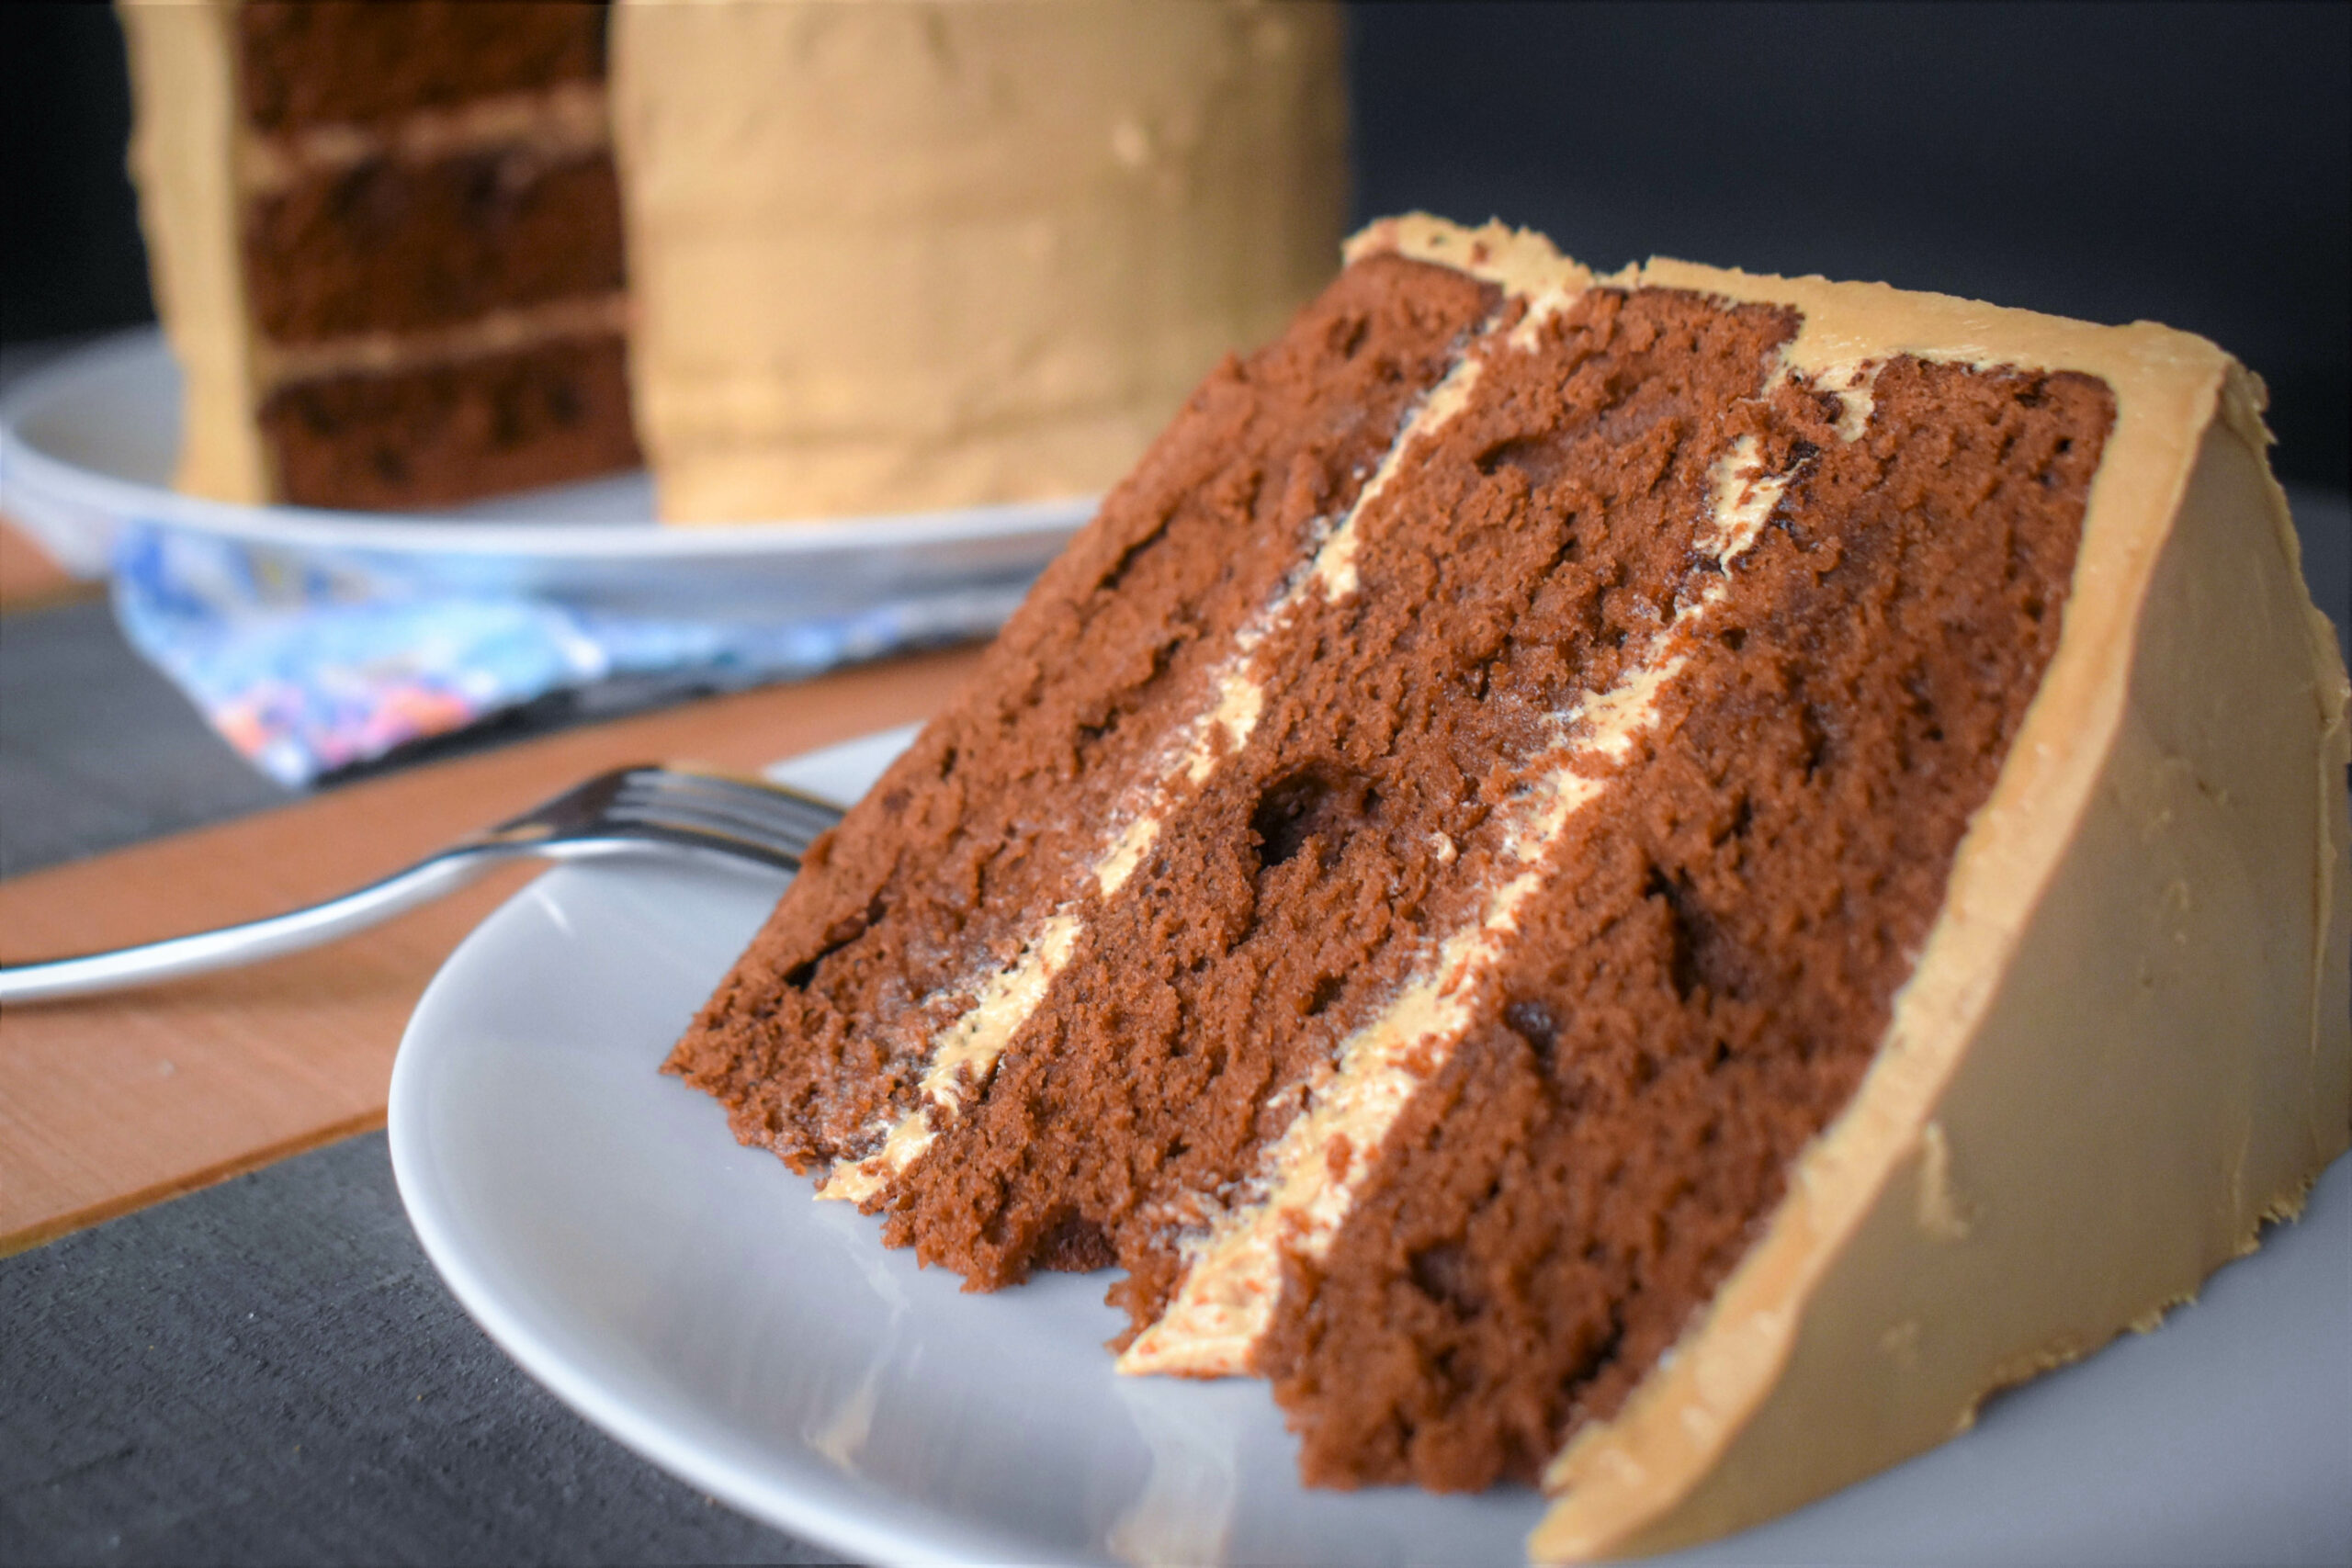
(692, 1298)
(87, 444)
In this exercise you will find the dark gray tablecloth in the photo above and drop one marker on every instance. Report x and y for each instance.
(268, 1370)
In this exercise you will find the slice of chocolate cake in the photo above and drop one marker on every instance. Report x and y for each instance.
(1652, 881)
(386, 244)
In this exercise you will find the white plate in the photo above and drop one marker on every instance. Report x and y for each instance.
(693, 1299)
(87, 444)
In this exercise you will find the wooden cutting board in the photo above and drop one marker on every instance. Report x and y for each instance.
(110, 1102)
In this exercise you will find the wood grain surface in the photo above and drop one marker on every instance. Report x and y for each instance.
(28, 578)
(110, 1102)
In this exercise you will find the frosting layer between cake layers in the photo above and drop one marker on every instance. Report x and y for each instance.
(385, 242)
(1789, 824)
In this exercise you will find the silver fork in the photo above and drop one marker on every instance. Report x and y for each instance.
(627, 811)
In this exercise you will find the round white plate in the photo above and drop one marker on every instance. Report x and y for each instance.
(692, 1298)
(87, 444)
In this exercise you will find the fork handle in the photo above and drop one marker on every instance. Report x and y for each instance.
(255, 939)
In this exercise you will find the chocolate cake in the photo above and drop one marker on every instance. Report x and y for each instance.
(386, 244)
(1652, 882)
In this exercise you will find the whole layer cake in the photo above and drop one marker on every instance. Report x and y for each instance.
(882, 257)
(386, 246)
(1651, 882)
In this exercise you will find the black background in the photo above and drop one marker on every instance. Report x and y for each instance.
(2186, 164)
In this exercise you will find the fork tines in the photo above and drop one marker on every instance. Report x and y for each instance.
(735, 809)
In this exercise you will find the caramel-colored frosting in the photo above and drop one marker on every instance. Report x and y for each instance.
(565, 120)
(184, 159)
(2128, 1042)
(893, 256)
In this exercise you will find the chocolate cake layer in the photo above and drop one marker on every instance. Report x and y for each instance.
(1709, 965)
(1287, 902)
(390, 245)
(305, 62)
(439, 433)
(921, 912)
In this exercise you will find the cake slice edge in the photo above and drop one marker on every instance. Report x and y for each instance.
(2082, 1056)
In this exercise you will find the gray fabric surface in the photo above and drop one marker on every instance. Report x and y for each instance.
(97, 750)
(270, 1371)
